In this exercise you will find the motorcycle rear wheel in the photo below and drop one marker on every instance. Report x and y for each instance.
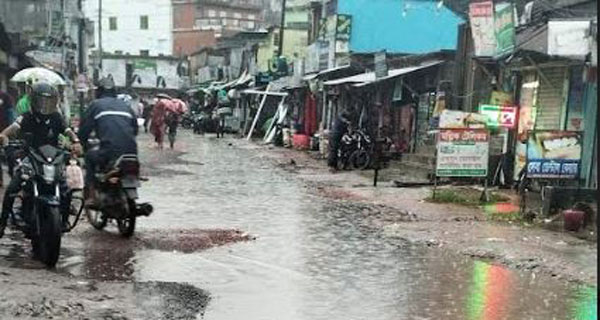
(96, 218)
(127, 225)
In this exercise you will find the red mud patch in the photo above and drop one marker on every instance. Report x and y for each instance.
(188, 241)
(109, 257)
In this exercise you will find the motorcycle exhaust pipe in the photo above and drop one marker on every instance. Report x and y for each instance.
(144, 209)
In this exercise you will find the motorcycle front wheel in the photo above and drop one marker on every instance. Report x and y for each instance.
(360, 159)
(47, 242)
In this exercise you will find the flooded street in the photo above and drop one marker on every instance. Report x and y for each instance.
(235, 237)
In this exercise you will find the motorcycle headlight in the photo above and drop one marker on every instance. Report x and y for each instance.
(49, 173)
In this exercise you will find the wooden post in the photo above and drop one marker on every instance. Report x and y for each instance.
(262, 104)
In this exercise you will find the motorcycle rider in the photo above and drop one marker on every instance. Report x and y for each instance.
(340, 127)
(115, 125)
(42, 125)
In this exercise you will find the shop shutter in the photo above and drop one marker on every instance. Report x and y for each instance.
(550, 99)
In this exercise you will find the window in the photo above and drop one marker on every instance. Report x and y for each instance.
(144, 53)
(112, 23)
(223, 14)
(144, 22)
(251, 25)
(251, 17)
(202, 22)
(236, 22)
(237, 15)
(212, 13)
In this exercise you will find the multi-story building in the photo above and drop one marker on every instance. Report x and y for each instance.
(136, 27)
(199, 23)
(46, 31)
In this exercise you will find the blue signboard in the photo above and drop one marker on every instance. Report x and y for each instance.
(553, 154)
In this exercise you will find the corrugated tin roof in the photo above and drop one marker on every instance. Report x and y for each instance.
(368, 78)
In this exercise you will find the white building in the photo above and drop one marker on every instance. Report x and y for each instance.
(136, 27)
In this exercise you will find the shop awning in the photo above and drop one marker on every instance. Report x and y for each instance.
(324, 72)
(369, 78)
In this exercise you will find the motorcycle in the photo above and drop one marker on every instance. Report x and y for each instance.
(355, 151)
(115, 190)
(187, 120)
(346, 149)
(361, 157)
(38, 204)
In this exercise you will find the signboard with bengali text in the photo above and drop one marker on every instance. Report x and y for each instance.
(553, 154)
(505, 28)
(481, 18)
(462, 153)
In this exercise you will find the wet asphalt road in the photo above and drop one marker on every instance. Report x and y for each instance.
(312, 258)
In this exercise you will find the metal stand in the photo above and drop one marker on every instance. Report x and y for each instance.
(435, 183)
(485, 195)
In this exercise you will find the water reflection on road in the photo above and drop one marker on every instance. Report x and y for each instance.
(313, 258)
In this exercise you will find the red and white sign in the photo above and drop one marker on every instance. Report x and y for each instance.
(481, 18)
(499, 116)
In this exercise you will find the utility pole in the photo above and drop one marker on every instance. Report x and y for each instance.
(81, 45)
(100, 33)
(282, 28)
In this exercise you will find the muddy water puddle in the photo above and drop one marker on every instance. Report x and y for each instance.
(313, 257)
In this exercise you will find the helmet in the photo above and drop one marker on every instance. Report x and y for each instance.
(44, 98)
(106, 87)
(106, 83)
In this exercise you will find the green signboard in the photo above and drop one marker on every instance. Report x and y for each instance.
(344, 27)
(504, 26)
(462, 153)
(144, 64)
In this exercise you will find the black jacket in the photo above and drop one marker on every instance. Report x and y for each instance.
(115, 124)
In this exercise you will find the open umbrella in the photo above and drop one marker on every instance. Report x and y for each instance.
(33, 75)
(177, 106)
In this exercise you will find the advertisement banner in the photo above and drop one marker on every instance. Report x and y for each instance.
(505, 28)
(454, 119)
(145, 70)
(553, 154)
(498, 116)
(527, 113)
(481, 18)
(344, 27)
(501, 98)
(569, 38)
(462, 153)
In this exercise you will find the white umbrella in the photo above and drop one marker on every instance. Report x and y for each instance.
(38, 74)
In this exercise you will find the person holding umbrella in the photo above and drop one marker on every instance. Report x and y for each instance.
(174, 111)
(159, 113)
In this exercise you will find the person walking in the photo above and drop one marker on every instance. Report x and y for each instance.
(147, 114)
(157, 128)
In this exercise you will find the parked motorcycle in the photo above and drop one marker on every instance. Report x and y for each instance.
(187, 120)
(204, 123)
(361, 157)
(38, 204)
(345, 150)
(116, 195)
(355, 151)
